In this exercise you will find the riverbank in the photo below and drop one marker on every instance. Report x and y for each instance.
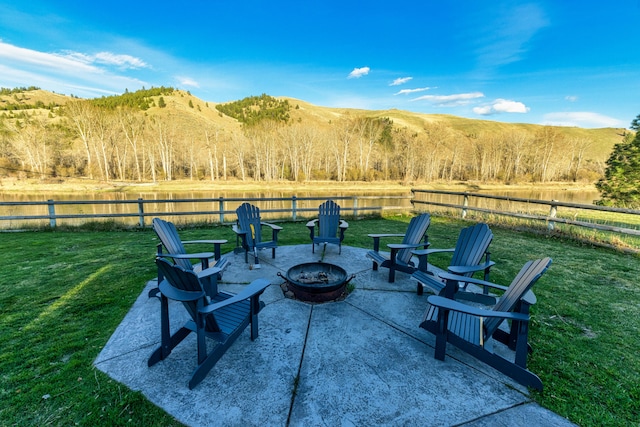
(12, 185)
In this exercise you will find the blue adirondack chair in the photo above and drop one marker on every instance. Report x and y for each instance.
(399, 255)
(467, 258)
(329, 225)
(221, 318)
(474, 329)
(249, 232)
(211, 265)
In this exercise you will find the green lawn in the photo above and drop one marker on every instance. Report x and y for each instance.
(63, 293)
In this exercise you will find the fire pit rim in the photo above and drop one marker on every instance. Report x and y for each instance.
(315, 288)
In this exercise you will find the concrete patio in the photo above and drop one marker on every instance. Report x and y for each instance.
(359, 362)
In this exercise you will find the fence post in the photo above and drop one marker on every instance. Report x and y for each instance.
(294, 207)
(221, 209)
(141, 211)
(465, 203)
(52, 213)
(355, 206)
(552, 214)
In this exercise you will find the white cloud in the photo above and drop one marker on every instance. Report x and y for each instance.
(409, 91)
(502, 106)
(571, 98)
(124, 61)
(107, 58)
(64, 73)
(581, 119)
(506, 106)
(400, 81)
(41, 59)
(359, 72)
(187, 81)
(483, 111)
(450, 100)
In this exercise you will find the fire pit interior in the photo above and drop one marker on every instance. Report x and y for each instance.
(316, 281)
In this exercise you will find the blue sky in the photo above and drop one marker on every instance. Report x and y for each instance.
(561, 62)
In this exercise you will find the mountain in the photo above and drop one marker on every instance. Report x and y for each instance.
(189, 114)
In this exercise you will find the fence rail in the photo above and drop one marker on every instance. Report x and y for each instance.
(551, 218)
(141, 208)
(293, 207)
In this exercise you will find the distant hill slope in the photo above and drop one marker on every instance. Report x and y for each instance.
(191, 116)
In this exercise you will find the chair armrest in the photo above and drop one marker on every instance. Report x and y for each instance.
(343, 224)
(273, 226)
(255, 288)
(377, 236)
(217, 244)
(312, 223)
(208, 272)
(199, 255)
(431, 251)
(213, 242)
(376, 239)
(464, 279)
(237, 230)
(398, 246)
(464, 269)
(453, 305)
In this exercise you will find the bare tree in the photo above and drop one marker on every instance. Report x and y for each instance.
(578, 147)
(132, 124)
(81, 113)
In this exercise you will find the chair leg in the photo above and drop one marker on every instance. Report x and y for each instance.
(441, 336)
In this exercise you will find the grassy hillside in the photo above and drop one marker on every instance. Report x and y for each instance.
(190, 115)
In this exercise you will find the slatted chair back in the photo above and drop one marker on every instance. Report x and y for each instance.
(184, 280)
(521, 284)
(168, 235)
(249, 221)
(328, 219)
(472, 245)
(415, 232)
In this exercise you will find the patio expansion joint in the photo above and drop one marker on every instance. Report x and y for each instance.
(494, 413)
(126, 353)
(296, 381)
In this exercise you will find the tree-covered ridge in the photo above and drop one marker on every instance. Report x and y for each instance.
(20, 100)
(253, 109)
(140, 99)
(8, 91)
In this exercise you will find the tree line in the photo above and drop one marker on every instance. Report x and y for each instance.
(115, 139)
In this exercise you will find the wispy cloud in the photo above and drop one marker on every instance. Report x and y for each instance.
(35, 58)
(581, 119)
(108, 58)
(400, 81)
(187, 81)
(454, 100)
(410, 91)
(571, 98)
(501, 106)
(508, 36)
(359, 72)
(66, 73)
